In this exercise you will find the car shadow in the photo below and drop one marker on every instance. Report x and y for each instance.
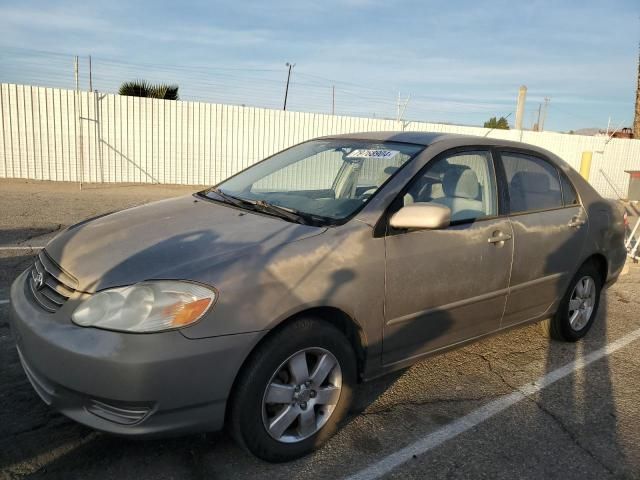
(583, 404)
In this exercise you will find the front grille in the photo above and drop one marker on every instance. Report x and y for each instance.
(49, 284)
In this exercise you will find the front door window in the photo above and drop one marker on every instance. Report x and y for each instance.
(462, 181)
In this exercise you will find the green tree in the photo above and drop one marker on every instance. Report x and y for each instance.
(500, 123)
(142, 88)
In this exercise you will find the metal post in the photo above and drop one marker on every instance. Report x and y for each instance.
(522, 96)
(286, 91)
(79, 146)
(585, 165)
(75, 71)
(79, 120)
(333, 100)
(633, 250)
(632, 235)
(404, 107)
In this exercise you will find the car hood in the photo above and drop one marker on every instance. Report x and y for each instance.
(173, 239)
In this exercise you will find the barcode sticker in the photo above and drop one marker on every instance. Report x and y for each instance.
(372, 153)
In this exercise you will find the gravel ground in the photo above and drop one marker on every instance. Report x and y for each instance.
(586, 425)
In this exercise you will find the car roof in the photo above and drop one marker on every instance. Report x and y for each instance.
(418, 138)
(451, 139)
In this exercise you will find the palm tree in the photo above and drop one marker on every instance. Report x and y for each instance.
(499, 123)
(142, 88)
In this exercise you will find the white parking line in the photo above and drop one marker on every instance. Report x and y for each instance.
(3, 302)
(484, 413)
(21, 247)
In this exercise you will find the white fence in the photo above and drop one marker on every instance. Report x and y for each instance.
(56, 134)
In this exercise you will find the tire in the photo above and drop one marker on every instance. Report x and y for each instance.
(560, 326)
(256, 403)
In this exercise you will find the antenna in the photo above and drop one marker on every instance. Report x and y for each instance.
(614, 132)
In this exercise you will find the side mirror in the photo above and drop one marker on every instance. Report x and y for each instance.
(422, 216)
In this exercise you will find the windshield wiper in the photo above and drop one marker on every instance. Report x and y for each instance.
(290, 213)
(233, 200)
(263, 206)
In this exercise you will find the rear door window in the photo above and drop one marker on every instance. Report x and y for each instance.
(533, 183)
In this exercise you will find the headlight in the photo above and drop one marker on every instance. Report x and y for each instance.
(145, 307)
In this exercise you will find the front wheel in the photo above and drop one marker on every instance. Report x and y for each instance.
(578, 308)
(294, 391)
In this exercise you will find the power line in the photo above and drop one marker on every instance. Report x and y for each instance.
(251, 84)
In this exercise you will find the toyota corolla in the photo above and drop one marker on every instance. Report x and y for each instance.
(260, 303)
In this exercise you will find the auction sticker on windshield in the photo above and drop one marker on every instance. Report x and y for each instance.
(372, 153)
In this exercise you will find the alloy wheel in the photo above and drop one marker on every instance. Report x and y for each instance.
(582, 302)
(301, 395)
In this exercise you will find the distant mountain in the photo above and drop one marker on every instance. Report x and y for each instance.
(587, 131)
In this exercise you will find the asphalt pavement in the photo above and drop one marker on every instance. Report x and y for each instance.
(515, 405)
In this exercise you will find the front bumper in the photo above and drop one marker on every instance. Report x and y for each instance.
(129, 384)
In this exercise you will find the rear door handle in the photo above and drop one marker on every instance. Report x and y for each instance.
(499, 237)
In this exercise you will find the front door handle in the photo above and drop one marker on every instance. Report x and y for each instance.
(499, 237)
(576, 222)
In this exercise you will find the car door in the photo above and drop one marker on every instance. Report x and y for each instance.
(446, 286)
(549, 228)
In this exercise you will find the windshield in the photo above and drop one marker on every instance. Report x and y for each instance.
(327, 179)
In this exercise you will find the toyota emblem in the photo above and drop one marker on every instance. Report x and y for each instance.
(38, 280)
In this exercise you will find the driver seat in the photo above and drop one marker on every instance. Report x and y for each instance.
(461, 192)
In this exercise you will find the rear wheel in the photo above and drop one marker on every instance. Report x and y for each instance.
(294, 391)
(578, 308)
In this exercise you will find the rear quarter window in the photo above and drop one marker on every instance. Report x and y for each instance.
(569, 194)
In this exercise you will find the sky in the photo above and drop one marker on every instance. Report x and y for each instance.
(456, 61)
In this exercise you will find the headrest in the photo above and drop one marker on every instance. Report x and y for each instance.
(386, 173)
(461, 183)
(531, 182)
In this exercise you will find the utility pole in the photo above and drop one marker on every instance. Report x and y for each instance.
(404, 107)
(286, 91)
(636, 118)
(522, 97)
(544, 114)
(90, 76)
(401, 107)
(333, 99)
(537, 126)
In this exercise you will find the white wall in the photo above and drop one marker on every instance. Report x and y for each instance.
(55, 134)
